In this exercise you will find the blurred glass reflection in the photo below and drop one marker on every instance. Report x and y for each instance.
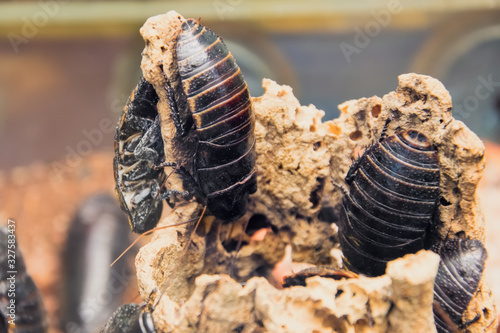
(81, 69)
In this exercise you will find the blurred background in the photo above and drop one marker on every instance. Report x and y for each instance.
(67, 68)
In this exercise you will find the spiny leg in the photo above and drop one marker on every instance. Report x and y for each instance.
(167, 194)
(181, 130)
(383, 135)
(164, 165)
(192, 184)
(143, 151)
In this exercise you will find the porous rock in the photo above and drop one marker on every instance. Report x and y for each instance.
(396, 302)
(301, 163)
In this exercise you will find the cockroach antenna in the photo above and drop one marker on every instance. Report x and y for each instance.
(179, 261)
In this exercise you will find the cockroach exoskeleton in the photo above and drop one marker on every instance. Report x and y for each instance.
(460, 270)
(29, 312)
(139, 156)
(390, 203)
(220, 110)
(130, 318)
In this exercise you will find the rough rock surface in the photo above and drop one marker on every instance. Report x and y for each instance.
(382, 304)
(301, 160)
(489, 192)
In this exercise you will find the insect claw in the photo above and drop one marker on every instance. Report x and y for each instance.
(343, 188)
(163, 165)
(383, 134)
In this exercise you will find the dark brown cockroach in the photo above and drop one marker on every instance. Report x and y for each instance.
(390, 203)
(299, 279)
(130, 318)
(138, 156)
(460, 270)
(28, 314)
(97, 234)
(215, 102)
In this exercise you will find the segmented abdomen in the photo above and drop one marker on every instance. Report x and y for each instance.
(219, 102)
(29, 311)
(137, 182)
(457, 279)
(393, 190)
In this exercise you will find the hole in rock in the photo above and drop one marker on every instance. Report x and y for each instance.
(315, 197)
(257, 222)
(327, 214)
(231, 245)
(356, 135)
(444, 202)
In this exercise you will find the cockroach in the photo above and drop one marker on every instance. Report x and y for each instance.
(130, 318)
(28, 314)
(97, 234)
(138, 156)
(217, 106)
(389, 205)
(460, 270)
(299, 279)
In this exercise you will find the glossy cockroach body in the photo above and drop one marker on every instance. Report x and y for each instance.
(138, 158)
(29, 313)
(460, 270)
(390, 203)
(130, 318)
(217, 104)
